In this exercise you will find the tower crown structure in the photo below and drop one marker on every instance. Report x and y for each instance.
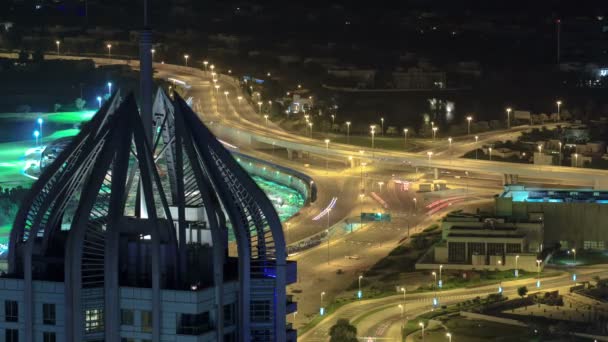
(83, 229)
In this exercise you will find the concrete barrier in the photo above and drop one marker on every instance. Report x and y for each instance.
(472, 315)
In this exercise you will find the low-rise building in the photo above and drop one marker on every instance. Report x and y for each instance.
(479, 242)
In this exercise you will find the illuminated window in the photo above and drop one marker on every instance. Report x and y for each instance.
(93, 320)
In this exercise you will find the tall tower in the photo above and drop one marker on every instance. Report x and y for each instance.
(145, 71)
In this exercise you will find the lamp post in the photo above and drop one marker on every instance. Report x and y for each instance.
(36, 135)
(490, 149)
(450, 145)
(260, 106)
(153, 51)
(373, 132)
(99, 101)
(40, 121)
(322, 308)
(559, 104)
(57, 43)
(405, 130)
(226, 94)
(560, 153)
(109, 46)
(310, 126)
(333, 120)
(348, 132)
(449, 336)
(380, 184)
(538, 262)
(382, 126)
(430, 154)
(205, 63)
(508, 117)
(400, 306)
(266, 117)
(574, 270)
(109, 88)
(360, 294)
(420, 324)
(476, 140)
(576, 160)
(217, 88)
(469, 118)
(516, 268)
(440, 281)
(327, 155)
(186, 59)
(434, 132)
(239, 98)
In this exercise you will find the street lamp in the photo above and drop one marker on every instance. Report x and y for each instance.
(322, 309)
(469, 118)
(186, 58)
(434, 131)
(516, 268)
(430, 154)
(348, 132)
(310, 126)
(153, 51)
(450, 144)
(326, 155)
(405, 130)
(574, 271)
(559, 103)
(239, 98)
(40, 121)
(260, 106)
(266, 117)
(540, 148)
(217, 88)
(36, 135)
(476, 140)
(226, 94)
(538, 262)
(212, 67)
(333, 118)
(99, 101)
(360, 294)
(420, 324)
(382, 126)
(490, 149)
(109, 46)
(440, 281)
(57, 43)
(449, 336)
(373, 131)
(400, 306)
(109, 88)
(380, 184)
(205, 63)
(576, 160)
(508, 117)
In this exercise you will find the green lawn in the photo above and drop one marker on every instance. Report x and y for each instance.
(474, 331)
(583, 257)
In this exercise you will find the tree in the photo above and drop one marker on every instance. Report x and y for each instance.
(522, 291)
(343, 331)
(80, 103)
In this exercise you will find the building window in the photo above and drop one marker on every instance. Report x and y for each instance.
(11, 311)
(49, 337)
(127, 317)
(260, 311)
(146, 321)
(93, 320)
(11, 335)
(193, 324)
(476, 248)
(513, 248)
(228, 314)
(496, 248)
(593, 244)
(48, 314)
(456, 251)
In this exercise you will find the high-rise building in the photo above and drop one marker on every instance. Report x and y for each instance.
(131, 237)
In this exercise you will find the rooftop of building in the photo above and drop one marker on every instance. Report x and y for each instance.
(520, 193)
